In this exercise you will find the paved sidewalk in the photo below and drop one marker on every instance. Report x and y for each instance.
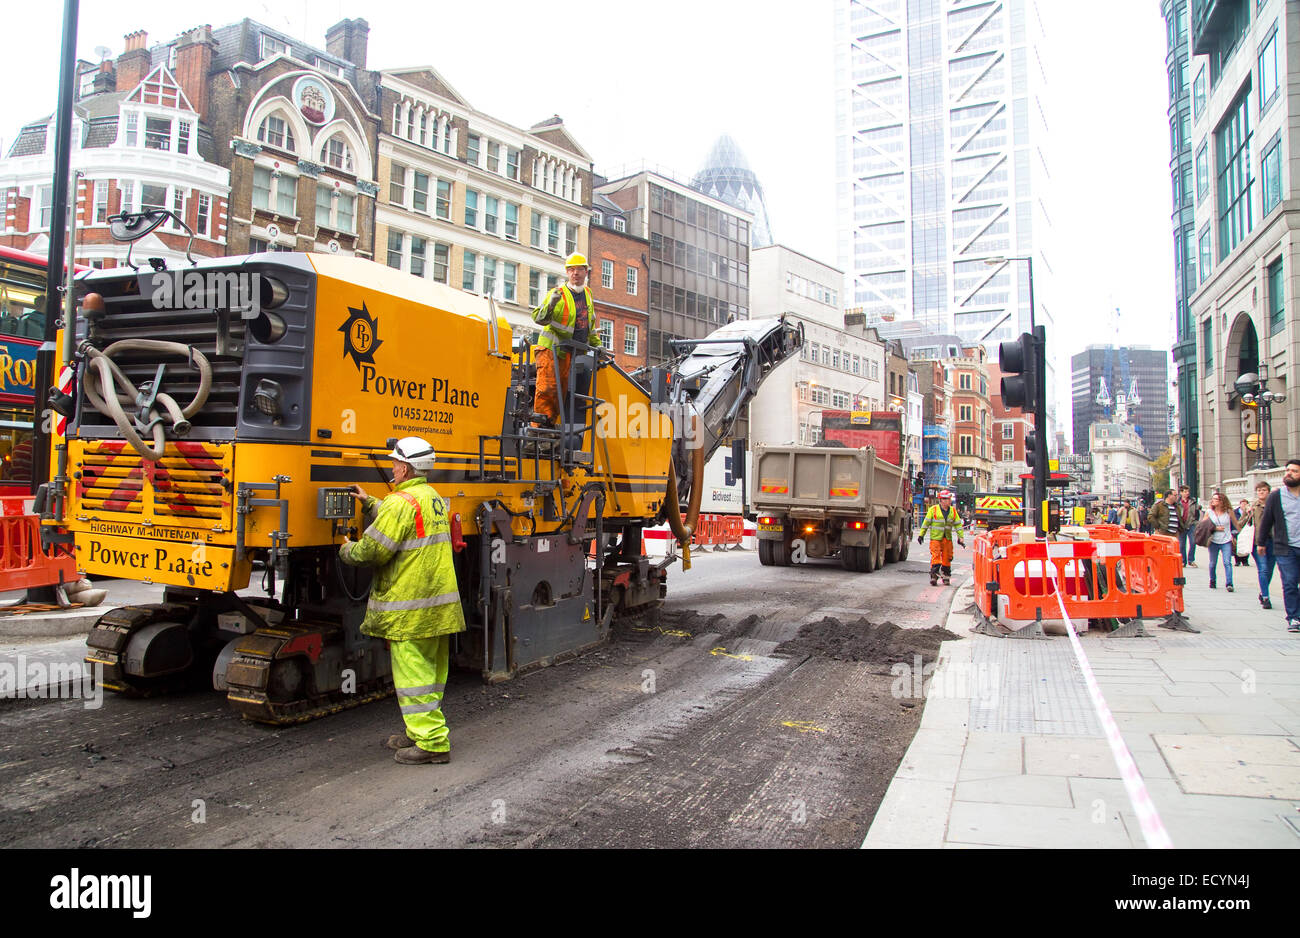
(1013, 754)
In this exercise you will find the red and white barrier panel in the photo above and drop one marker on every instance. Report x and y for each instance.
(659, 542)
(749, 539)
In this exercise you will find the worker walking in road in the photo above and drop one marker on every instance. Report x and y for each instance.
(944, 524)
(568, 313)
(414, 602)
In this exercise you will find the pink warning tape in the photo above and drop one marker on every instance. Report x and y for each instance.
(1153, 829)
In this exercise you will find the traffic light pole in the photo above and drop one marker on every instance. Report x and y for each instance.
(1040, 424)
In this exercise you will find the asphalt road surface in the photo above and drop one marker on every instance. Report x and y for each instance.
(689, 730)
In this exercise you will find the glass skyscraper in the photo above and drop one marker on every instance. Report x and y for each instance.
(726, 175)
(941, 172)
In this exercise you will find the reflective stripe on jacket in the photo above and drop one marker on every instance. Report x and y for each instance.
(414, 593)
(560, 322)
(941, 528)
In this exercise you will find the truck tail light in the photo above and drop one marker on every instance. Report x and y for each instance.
(857, 525)
(768, 520)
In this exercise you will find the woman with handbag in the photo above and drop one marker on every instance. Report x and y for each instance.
(1245, 546)
(1222, 540)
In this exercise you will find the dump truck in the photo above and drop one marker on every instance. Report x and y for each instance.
(820, 501)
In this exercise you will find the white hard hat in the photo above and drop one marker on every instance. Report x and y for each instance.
(415, 451)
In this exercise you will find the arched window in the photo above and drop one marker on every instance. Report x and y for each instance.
(275, 132)
(335, 152)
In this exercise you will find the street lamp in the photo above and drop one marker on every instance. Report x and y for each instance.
(1003, 261)
(1252, 390)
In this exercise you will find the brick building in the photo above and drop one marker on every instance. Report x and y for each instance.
(298, 135)
(140, 141)
(471, 201)
(620, 284)
(1010, 425)
(972, 459)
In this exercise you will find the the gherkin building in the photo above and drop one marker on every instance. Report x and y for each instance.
(726, 175)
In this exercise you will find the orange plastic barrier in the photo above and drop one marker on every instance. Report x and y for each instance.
(1116, 574)
(22, 562)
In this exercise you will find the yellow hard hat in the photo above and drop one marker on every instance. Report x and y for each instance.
(576, 260)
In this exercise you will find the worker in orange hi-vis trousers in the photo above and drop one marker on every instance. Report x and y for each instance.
(944, 524)
(568, 313)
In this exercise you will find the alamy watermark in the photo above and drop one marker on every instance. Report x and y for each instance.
(207, 289)
(22, 678)
(630, 419)
(958, 680)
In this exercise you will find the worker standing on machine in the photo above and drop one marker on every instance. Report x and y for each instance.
(414, 602)
(568, 313)
(944, 523)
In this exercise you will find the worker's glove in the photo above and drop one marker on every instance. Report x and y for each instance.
(920, 539)
(961, 542)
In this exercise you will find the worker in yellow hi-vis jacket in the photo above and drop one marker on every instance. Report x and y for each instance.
(944, 524)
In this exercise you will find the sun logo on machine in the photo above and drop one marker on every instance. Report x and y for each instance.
(360, 336)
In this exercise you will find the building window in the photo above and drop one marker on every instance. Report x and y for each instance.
(157, 133)
(274, 132)
(1198, 93)
(491, 212)
(607, 334)
(441, 261)
(1232, 162)
(620, 224)
(570, 239)
(128, 195)
(1008, 453)
(512, 221)
(493, 157)
(469, 271)
(489, 276)
(273, 189)
(535, 233)
(1202, 171)
(1271, 174)
(1008, 431)
(152, 197)
(835, 359)
(272, 46)
(204, 216)
(534, 288)
(397, 185)
(964, 413)
(336, 153)
(471, 208)
(1268, 71)
(607, 274)
(630, 336)
(1276, 298)
(420, 192)
(101, 201)
(394, 249)
(335, 209)
(509, 278)
(631, 281)
(512, 163)
(1207, 255)
(963, 381)
(132, 135)
(418, 247)
(471, 150)
(967, 448)
(553, 235)
(183, 137)
(328, 68)
(1207, 343)
(442, 206)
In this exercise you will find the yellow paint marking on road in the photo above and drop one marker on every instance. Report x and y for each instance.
(720, 651)
(804, 726)
(675, 633)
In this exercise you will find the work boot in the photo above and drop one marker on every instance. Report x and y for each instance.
(399, 741)
(947, 581)
(414, 755)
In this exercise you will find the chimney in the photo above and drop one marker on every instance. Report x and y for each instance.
(133, 64)
(347, 39)
(194, 52)
(105, 79)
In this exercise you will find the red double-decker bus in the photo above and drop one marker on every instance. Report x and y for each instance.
(22, 327)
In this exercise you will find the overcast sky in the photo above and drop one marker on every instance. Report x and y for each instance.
(659, 83)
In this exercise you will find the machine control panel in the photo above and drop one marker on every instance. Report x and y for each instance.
(335, 504)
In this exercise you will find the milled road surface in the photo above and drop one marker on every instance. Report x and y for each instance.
(690, 731)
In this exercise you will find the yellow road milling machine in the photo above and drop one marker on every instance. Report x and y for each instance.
(217, 414)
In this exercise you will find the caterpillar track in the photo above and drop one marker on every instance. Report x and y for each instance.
(110, 640)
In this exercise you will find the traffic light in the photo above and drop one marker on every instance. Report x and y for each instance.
(1024, 385)
(1018, 362)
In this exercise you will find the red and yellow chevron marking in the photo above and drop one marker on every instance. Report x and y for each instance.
(997, 503)
(845, 492)
(771, 488)
(186, 482)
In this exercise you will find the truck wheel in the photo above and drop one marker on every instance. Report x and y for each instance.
(880, 548)
(893, 551)
(868, 555)
(849, 557)
(765, 553)
(907, 545)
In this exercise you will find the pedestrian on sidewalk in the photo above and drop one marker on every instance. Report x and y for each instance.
(1280, 523)
(944, 523)
(1190, 509)
(1264, 557)
(1165, 517)
(1223, 540)
(1243, 518)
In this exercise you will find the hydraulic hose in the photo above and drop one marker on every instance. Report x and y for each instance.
(684, 530)
(108, 389)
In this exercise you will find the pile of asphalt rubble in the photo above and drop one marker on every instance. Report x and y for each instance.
(865, 641)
